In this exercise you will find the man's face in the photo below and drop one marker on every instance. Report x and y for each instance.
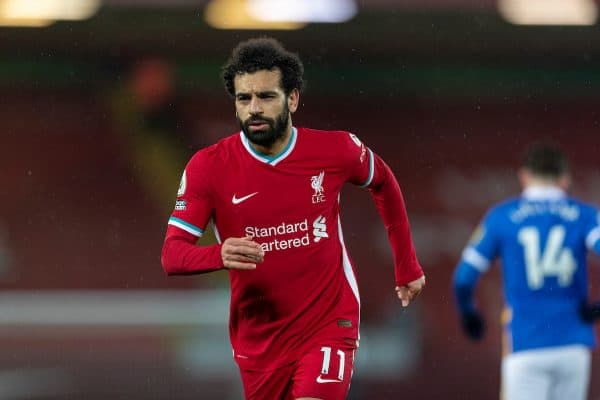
(263, 109)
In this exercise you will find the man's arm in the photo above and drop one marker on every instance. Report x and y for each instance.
(590, 313)
(476, 259)
(465, 280)
(181, 256)
(388, 199)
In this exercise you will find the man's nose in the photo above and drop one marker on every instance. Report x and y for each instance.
(255, 106)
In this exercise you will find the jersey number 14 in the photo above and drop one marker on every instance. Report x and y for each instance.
(556, 260)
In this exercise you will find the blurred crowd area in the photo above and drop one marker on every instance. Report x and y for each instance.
(89, 172)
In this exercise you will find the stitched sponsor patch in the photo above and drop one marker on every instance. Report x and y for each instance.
(180, 205)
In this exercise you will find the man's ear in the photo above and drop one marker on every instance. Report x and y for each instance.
(564, 182)
(293, 100)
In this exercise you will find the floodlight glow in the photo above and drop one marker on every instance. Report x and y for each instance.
(549, 12)
(25, 22)
(303, 10)
(233, 14)
(43, 13)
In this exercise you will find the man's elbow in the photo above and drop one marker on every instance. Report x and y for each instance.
(167, 268)
(167, 260)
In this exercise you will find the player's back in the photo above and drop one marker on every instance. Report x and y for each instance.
(541, 240)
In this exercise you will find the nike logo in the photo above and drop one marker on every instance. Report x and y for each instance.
(321, 380)
(236, 200)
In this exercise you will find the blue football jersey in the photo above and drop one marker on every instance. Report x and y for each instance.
(542, 238)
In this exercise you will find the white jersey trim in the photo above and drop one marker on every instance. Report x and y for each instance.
(217, 236)
(474, 258)
(371, 170)
(347, 265)
(544, 193)
(186, 226)
(592, 237)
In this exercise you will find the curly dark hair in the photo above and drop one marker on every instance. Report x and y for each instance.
(545, 159)
(264, 54)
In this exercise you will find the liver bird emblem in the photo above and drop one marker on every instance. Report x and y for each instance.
(316, 182)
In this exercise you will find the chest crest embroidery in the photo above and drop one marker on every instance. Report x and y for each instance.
(316, 182)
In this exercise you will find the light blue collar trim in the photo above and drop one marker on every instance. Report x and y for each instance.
(544, 193)
(271, 160)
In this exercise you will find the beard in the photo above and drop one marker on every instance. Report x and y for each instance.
(266, 137)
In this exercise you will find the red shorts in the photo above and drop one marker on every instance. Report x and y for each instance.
(324, 372)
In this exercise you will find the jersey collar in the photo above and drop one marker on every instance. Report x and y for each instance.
(271, 160)
(543, 193)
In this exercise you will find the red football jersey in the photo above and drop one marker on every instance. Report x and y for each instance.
(289, 203)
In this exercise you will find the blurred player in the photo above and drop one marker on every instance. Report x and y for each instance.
(541, 238)
(273, 192)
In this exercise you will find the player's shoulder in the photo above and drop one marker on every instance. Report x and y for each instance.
(333, 144)
(328, 136)
(215, 153)
(586, 208)
(581, 203)
(502, 209)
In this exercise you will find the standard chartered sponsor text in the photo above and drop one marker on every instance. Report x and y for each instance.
(271, 232)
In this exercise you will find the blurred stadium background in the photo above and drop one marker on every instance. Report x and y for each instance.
(102, 102)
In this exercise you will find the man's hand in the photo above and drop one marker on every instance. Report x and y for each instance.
(473, 325)
(411, 290)
(590, 313)
(241, 253)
